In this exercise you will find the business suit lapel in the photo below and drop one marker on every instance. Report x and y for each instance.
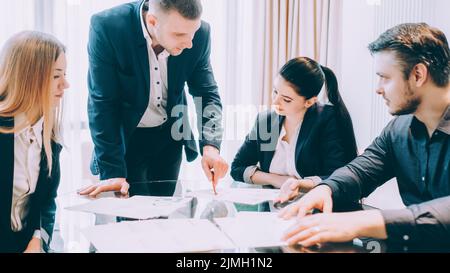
(141, 52)
(7, 173)
(142, 55)
(305, 130)
(42, 178)
(275, 123)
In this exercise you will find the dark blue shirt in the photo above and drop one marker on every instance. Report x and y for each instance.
(420, 163)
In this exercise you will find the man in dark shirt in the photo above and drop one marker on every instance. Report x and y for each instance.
(413, 64)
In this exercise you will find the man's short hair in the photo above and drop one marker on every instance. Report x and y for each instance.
(414, 44)
(189, 9)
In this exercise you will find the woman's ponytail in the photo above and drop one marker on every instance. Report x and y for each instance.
(343, 116)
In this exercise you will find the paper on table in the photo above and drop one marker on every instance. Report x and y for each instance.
(255, 229)
(136, 207)
(158, 236)
(239, 195)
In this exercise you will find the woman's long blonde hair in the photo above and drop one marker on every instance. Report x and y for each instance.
(26, 71)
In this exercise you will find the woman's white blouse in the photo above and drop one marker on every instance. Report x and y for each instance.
(27, 159)
(283, 162)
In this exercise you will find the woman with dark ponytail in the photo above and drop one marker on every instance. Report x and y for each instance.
(301, 142)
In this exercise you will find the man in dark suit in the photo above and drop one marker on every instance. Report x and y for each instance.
(141, 55)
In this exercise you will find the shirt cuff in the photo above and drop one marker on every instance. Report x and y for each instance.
(248, 173)
(203, 143)
(334, 189)
(37, 234)
(400, 225)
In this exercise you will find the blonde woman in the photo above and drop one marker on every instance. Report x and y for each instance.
(32, 84)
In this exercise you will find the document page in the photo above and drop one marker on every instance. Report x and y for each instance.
(136, 207)
(158, 236)
(238, 195)
(255, 229)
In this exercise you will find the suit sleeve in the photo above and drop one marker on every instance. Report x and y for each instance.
(104, 105)
(43, 216)
(203, 87)
(247, 156)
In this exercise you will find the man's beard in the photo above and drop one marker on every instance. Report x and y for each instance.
(410, 104)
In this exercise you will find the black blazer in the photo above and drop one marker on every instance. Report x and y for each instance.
(320, 148)
(119, 84)
(42, 202)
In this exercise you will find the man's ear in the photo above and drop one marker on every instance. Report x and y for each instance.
(311, 102)
(419, 75)
(151, 20)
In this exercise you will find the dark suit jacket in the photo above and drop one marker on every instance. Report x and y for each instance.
(320, 148)
(119, 81)
(42, 202)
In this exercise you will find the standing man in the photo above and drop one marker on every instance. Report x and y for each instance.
(141, 56)
(413, 64)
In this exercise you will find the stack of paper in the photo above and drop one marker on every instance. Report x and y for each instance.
(137, 207)
(158, 236)
(255, 229)
(239, 195)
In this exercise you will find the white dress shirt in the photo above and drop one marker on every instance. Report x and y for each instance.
(283, 162)
(27, 159)
(155, 114)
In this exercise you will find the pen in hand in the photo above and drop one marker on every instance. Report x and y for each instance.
(214, 182)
